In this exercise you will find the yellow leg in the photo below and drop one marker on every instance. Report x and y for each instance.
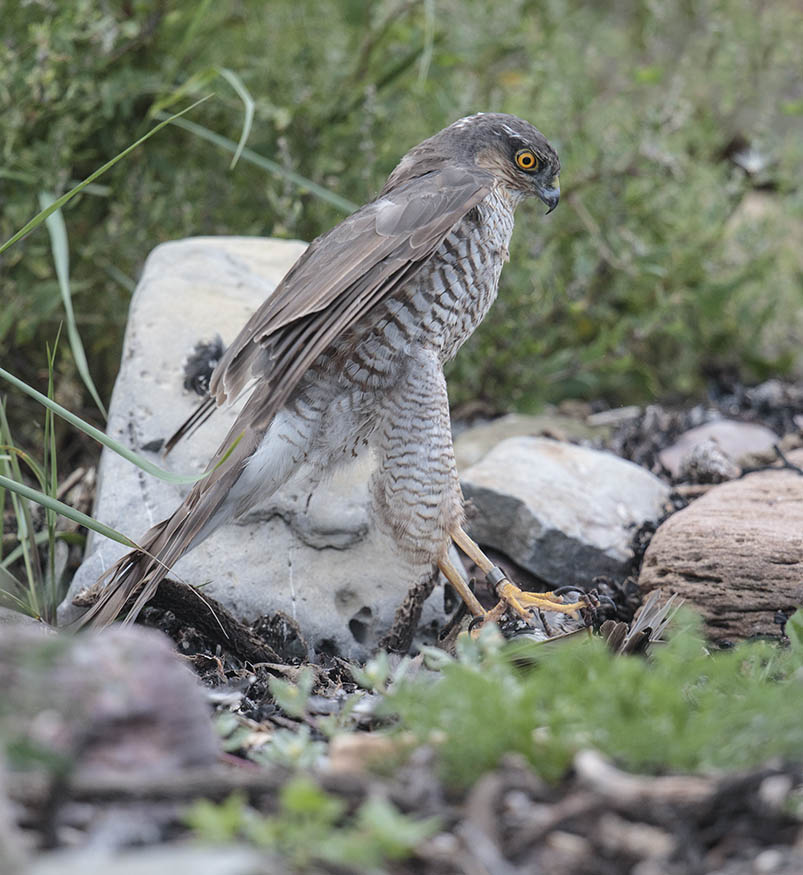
(456, 579)
(519, 601)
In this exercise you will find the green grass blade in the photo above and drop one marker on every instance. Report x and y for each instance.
(248, 102)
(260, 161)
(197, 81)
(60, 247)
(35, 467)
(104, 439)
(51, 474)
(65, 198)
(42, 538)
(9, 597)
(9, 464)
(65, 510)
(201, 79)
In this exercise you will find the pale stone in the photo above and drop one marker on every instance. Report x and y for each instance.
(323, 562)
(472, 444)
(736, 554)
(735, 439)
(566, 513)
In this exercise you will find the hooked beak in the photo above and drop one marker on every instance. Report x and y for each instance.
(550, 196)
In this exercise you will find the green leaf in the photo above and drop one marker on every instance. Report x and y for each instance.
(65, 510)
(248, 102)
(292, 698)
(395, 834)
(218, 823)
(61, 258)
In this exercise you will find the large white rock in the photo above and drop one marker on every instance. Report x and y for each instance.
(323, 564)
(566, 513)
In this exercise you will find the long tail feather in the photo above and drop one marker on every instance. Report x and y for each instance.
(194, 421)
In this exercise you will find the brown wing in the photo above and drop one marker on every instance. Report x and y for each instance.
(341, 276)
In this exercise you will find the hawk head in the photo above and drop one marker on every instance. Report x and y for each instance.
(511, 149)
(517, 153)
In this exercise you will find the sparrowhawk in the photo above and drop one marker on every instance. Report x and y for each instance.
(346, 356)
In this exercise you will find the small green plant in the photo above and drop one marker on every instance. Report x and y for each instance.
(40, 592)
(683, 709)
(292, 697)
(313, 826)
(294, 749)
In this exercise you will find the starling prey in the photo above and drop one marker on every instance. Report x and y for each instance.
(346, 356)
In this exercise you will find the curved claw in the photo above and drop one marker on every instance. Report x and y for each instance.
(524, 602)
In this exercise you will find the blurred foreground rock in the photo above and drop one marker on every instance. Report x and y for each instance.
(736, 554)
(565, 513)
(195, 858)
(116, 701)
(13, 854)
(320, 562)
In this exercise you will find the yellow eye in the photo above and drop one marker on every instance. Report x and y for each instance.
(526, 160)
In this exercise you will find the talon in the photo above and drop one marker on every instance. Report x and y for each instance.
(524, 602)
(476, 623)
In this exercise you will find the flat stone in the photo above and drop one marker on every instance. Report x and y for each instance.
(735, 439)
(472, 444)
(736, 554)
(566, 513)
(321, 562)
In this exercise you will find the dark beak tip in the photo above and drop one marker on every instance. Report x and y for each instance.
(550, 197)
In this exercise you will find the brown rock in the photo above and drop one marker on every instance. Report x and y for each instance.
(736, 554)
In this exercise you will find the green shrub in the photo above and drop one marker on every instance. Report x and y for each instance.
(641, 280)
(682, 710)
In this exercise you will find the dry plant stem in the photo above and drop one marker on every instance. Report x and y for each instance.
(596, 773)
(213, 782)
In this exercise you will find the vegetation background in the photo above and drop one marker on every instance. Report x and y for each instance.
(675, 253)
(675, 258)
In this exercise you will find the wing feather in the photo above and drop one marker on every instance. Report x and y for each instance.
(340, 277)
(362, 256)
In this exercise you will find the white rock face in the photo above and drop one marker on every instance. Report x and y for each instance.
(323, 564)
(566, 513)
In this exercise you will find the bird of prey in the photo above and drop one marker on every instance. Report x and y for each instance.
(346, 356)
